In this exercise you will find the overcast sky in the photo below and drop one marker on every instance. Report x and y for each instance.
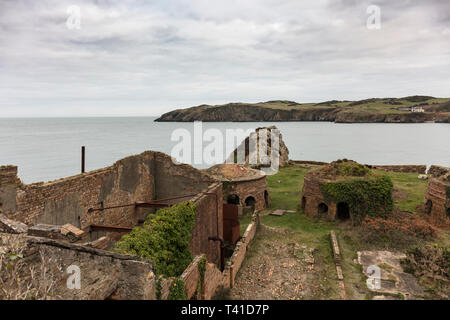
(135, 57)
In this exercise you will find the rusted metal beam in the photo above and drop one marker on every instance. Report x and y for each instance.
(149, 204)
(96, 227)
(152, 204)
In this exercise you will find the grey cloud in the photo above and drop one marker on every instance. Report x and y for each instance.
(139, 57)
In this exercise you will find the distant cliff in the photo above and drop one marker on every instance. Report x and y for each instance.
(370, 110)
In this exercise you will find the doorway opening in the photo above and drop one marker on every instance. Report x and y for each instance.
(343, 211)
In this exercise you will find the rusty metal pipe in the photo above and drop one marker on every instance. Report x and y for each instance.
(95, 227)
(83, 159)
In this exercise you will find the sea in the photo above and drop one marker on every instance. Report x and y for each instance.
(46, 149)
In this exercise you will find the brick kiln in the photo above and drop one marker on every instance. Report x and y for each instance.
(437, 197)
(242, 185)
(342, 175)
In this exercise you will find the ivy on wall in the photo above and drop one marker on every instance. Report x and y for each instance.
(201, 278)
(164, 238)
(365, 197)
(177, 291)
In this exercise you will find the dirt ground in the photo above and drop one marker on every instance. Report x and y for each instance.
(277, 267)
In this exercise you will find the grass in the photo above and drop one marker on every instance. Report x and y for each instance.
(414, 187)
(285, 192)
(245, 221)
(285, 187)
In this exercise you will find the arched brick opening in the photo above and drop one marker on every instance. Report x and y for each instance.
(343, 211)
(250, 202)
(428, 206)
(233, 199)
(322, 208)
(448, 213)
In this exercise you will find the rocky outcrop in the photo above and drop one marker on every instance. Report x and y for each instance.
(247, 113)
(241, 112)
(262, 161)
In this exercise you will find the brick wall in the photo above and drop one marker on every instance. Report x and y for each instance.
(208, 223)
(312, 197)
(214, 278)
(144, 177)
(68, 200)
(420, 169)
(437, 200)
(236, 260)
(251, 188)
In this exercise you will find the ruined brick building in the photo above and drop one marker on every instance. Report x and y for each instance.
(242, 185)
(345, 178)
(437, 197)
(79, 216)
(112, 200)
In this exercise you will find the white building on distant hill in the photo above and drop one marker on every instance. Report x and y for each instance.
(412, 109)
(416, 109)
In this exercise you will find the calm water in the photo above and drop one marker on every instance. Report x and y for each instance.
(47, 149)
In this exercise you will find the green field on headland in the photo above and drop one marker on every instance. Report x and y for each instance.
(412, 109)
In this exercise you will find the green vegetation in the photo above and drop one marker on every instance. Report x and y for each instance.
(244, 221)
(177, 291)
(353, 169)
(431, 265)
(411, 188)
(369, 196)
(369, 106)
(201, 278)
(285, 187)
(285, 193)
(164, 238)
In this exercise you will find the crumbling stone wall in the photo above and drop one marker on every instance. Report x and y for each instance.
(172, 180)
(144, 177)
(437, 197)
(420, 169)
(102, 275)
(68, 200)
(438, 171)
